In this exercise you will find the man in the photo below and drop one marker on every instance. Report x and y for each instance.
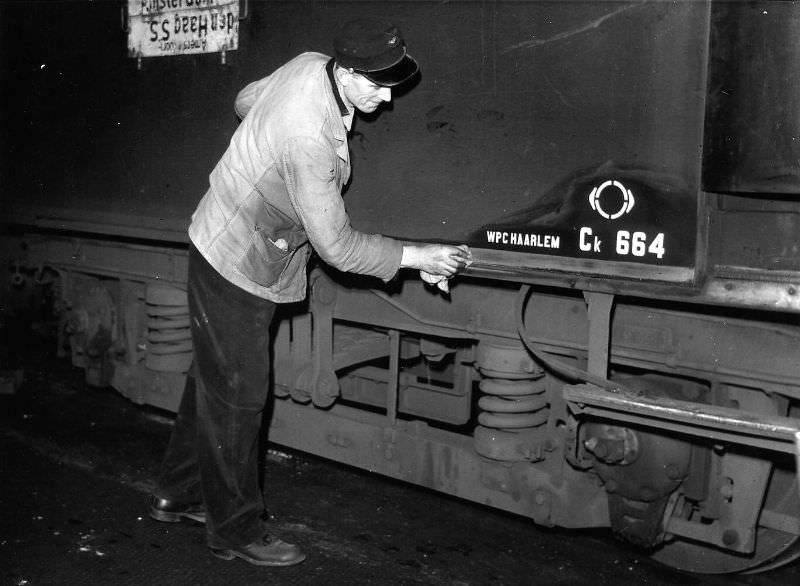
(274, 194)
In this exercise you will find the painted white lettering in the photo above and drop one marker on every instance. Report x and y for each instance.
(525, 239)
(584, 243)
(657, 245)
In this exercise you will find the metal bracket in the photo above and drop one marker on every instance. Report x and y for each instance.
(323, 382)
(599, 306)
(393, 390)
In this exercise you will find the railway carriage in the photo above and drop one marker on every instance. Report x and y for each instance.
(622, 353)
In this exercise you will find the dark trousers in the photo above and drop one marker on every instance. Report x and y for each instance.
(213, 452)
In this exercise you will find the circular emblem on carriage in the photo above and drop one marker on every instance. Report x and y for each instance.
(625, 205)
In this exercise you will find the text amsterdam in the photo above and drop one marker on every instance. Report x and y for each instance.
(162, 5)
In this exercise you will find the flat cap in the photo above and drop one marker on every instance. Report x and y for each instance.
(375, 49)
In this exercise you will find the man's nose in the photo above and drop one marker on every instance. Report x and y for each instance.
(385, 94)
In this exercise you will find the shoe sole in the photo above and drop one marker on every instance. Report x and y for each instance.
(167, 517)
(229, 554)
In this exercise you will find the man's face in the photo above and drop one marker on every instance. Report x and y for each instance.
(362, 93)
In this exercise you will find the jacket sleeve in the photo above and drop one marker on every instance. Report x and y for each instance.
(308, 168)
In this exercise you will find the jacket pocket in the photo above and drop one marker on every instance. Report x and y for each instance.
(266, 258)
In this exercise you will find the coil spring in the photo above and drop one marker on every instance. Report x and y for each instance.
(169, 336)
(513, 404)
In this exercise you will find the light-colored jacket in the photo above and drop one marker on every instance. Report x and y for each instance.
(278, 187)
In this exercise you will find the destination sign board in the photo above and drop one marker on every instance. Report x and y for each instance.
(158, 28)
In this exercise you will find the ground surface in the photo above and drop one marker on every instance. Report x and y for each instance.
(77, 463)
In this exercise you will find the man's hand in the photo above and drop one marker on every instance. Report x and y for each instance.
(438, 260)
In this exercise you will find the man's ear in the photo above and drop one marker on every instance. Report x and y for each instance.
(343, 75)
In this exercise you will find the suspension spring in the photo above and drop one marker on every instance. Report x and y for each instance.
(514, 408)
(169, 337)
(513, 404)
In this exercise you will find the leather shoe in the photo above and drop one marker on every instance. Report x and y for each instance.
(169, 511)
(267, 552)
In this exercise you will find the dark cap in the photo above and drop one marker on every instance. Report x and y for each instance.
(375, 49)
